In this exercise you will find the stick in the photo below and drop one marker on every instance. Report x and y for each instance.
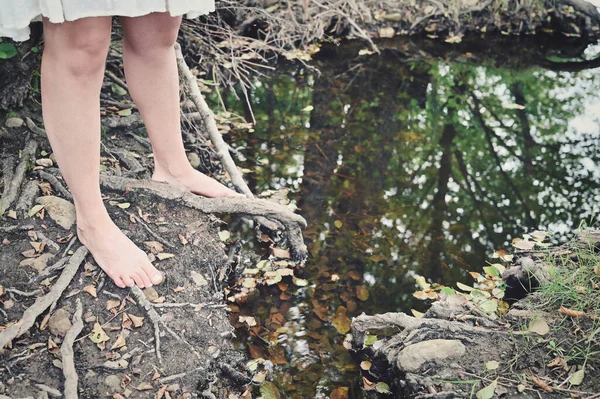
(56, 184)
(66, 351)
(42, 303)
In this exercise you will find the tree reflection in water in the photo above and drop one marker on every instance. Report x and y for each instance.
(410, 167)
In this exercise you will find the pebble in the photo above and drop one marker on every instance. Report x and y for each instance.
(45, 162)
(59, 210)
(59, 322)
(113, 381)
(14, 122)
(194, 159)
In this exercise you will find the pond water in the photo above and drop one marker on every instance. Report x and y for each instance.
(406, 163)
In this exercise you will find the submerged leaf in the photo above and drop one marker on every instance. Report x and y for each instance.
(268, 390)
(340, 321)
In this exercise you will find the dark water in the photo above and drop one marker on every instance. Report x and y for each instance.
(407, 164)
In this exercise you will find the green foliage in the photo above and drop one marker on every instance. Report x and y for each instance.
(7, 50)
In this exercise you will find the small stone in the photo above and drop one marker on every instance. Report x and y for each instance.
(14, 122)
(38, 263)
(414, 356)
(59, 210)
(60, 322)
(45, 162)
(113, 381)
(198, 279)
(194, 159)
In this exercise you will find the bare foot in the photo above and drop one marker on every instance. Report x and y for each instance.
(196, 182)
(116, 254)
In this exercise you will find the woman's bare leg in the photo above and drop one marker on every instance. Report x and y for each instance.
(72, 73)
(151, 71)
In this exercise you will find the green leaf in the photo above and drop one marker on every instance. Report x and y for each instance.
(487, 392)
(35, 210)
(489, 307)
(125, 112)
(268, 390)
(224, 235)
(492, 271)
(464, 287)
(448, 291)
(382, 387)
(577, 377)
(124, 205)
(35, 49)
(370, 340)
(7, 50)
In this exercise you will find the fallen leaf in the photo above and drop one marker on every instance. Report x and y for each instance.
(492, 365)
(144, 386)
(417, 314)
(280, 252)
(488, 391)
(338, 224)
(382, 387)
(164, 255)
(539, 326)
(154, 246)
(98, 335)
(119, 343)
(362, 293)
(35, 209)
(577, 377)
(300, 282)
(523, 244)
(339, 393)
(224, 235)
(368, 385)
(365, 364)
(340, 320)
(268, 390)
(112, 303)
(136, 320)
(90, 289)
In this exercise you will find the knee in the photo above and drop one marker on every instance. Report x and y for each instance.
(83, 53)
(160, 39)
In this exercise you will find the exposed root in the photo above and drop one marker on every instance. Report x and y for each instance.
(27, 158)
(27, 196)
(210, 125)
(149, 230)
(231, 205)
(42, 303)
(56, 184)
(66, 351)
(21, 227)
(157, 321)
(35, 129)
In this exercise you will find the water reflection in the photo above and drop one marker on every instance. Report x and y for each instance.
(406, 167)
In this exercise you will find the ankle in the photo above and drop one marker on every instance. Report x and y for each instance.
(90, 219)
(172, 170)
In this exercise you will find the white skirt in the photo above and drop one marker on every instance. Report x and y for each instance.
(15, 15)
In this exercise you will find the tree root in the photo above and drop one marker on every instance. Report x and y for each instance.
(232, 205)
(157, 321)
(42, 303)
(28, 194)
(210, 125)
(27, 158)
(56, 184)
(66, 351)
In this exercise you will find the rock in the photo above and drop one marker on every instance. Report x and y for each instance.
(194, 159)
(45, 162)
(414, 356)
(198, 279)
(60, 322)
(38, 263)
(60, 210)
(113, 381)
(14, 122)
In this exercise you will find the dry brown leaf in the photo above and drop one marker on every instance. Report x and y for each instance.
(571, 312)
(112, 303)
(160, 299)
(182, 239)
(178, 289)
(156, 375)
(541, 384)
(154, 246)
(144, 386)
(118, 396)
(91, 289)
(136, 320)
(339, 393)
(368, 385)
(559, 361)
(280, 253)
(161, 392)
(119, 343)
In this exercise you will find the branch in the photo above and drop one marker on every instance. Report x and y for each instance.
(231, 205)
(66, 351)
(27, 158)
(42, 303)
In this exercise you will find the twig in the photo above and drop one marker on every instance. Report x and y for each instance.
(117, 80)
(68, 357)
(42, 303)
(22, 293)
(8, 229)
(149, 230)
(56, 184)
(178, 376)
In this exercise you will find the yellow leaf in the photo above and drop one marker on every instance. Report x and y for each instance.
(539, 326)
(90, 289)
(338, 224)
(119, 343)
(340, 320)
(417, 314)
(365, 365)
(98, 335)
(164, 255)
(362, 293)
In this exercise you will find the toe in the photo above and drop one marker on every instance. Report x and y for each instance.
(145, 278)
(152, 273)
(128, 281)
(139, 281)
